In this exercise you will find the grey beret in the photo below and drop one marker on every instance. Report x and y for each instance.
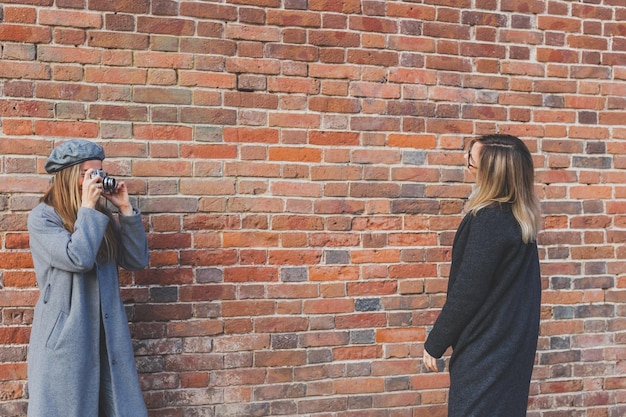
(71, 153)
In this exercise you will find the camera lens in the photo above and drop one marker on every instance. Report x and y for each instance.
(108, 184)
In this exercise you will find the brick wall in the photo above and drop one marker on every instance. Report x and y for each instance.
(300, 168)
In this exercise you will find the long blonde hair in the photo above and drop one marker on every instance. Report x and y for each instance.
(506, 175)
(64, 195)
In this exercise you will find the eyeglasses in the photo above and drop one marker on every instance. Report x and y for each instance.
(469, 156)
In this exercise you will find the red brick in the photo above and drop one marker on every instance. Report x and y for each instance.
(333, 138)
(192, 329)
(16, 14)
(17, 127)
(293, 85)
(373, 24)
(116, 75)
(375, 256)
(533, 6)
(23, 33)
(250, 274)
(528, 37)
(293, 18)
(348, 6)
(430, 381)
(195, 362)
(371, 288)
(328, 306)
(165, 26)
(560, 24)
(271, 205)
(250, 135)
(24, 70)
(359, 386)
(128, 6)
(334, 105)
(70, 18)
(557, 55)
(12, 371)
(277, 325)
(310, 155)
(484, 112)
(19, 279)
(357, 353)
(66, 129)
(332, 273)
(209, 80)
(293, 52)
(280, 358)
(209, 11)
(117, 40)
(334, 72)
(69, 36)
(257, 100)
(363, 57)
(334, 38)
(250, 239)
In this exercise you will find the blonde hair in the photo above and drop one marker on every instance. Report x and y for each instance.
(65, 196)
(506, 175)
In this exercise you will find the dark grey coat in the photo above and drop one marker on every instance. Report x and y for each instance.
(75, 291)
(491, 316)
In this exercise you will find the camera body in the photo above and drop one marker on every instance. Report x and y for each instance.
(108, 183)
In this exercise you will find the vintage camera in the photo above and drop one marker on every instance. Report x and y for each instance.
(108, 183)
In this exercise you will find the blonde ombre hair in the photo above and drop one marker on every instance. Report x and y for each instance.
(64, 195)
(505, 174)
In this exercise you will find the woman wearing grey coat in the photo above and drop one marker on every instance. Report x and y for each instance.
(80, 359)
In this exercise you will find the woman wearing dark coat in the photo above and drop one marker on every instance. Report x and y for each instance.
(491, 314)
(80, 359)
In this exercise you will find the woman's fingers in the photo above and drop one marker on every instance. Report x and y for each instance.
(430, 362)
(92, 189)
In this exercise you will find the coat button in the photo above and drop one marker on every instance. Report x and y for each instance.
(114, 362)
(106, 315)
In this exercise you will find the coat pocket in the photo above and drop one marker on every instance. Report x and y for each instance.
(55, 334)
(46, 294)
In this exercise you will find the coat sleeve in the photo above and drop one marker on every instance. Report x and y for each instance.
(55, 245)
(489, 237)
(134, 253)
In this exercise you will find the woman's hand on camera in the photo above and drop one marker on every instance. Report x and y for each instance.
(120, 199)
(91, 189)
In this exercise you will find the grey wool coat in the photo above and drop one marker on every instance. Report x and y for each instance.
(77, 294)
(490, 317)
